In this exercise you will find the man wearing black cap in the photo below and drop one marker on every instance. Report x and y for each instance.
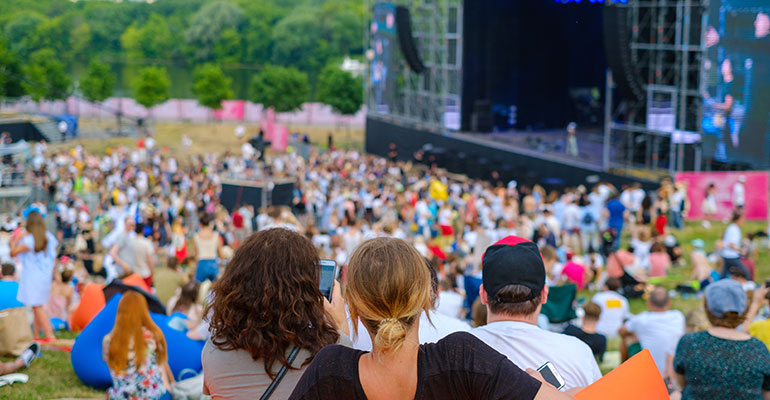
(513, 289)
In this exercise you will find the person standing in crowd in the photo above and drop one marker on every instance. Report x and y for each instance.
(614, 308)
(514, 292)
(267, 313)
(208, 246)
(588, 334)
(36, 250)
(144, 255)
(135, 352)
(123, 252)
(572, 145)
(616, 214)
(709, 206)
(739, 193)
(678, 205)
(731, 252)
(723, 362)
(388, 288)
(657, 330)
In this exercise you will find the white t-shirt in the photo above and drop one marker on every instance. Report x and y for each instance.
(431, 331)
(642, 252)
(658, 332)
(637, 197)
(614, 311)
(450, 303)
(528, 346)
(676, 201)
(739, 195)
(572, 217)
(732, 236)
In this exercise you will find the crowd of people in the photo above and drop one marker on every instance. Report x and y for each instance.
(425, 256)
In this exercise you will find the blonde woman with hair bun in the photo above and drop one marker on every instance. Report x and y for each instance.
(388, 287)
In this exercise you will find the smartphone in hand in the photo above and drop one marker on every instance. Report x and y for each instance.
(329, 272)
(551, 375)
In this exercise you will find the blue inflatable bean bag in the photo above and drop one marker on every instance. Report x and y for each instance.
(8, 292)
(184, 354)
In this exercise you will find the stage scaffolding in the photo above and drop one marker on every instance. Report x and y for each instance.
(667, 48)
(430, 100)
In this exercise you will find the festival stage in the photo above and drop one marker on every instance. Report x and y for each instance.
(527, 157)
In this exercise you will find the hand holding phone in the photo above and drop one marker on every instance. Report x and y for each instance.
(551, 375)
(329, 272)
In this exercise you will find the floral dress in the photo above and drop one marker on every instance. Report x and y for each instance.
(144, 382)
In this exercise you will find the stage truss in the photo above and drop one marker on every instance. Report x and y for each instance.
(430, 100)
(668, 48)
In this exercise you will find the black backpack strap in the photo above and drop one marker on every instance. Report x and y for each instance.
(281, 373)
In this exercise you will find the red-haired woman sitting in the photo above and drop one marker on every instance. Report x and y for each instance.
(135, 352)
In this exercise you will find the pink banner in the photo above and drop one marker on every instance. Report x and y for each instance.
(231, 110)
(280, 137)
(268, 125)
(756, 188)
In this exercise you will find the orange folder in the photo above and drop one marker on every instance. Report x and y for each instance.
(636, 379)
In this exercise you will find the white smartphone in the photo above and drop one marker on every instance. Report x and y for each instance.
(329, 272)
(551, 375)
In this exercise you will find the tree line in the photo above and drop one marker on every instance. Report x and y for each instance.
(294, 47)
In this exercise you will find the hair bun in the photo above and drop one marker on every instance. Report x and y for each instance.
(391, 333)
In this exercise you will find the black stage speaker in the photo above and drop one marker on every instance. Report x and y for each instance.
(617, 35)
(279, 192)
(482, 119)
(406, 40)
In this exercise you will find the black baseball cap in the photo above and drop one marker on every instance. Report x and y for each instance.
(512, 261)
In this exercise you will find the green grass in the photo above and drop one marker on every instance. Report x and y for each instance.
(51, 376)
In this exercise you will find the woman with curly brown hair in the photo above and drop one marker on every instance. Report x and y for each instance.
(388, 288)
(266, 308)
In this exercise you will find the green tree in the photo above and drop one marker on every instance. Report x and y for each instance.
(211, 86)
(152, 40)
(283, 89)
(81, 39)
(228, 48)
(10, 72)
(343, 24)
(54, 34)
(152, 86)
(45, 76)
(98, 83)
(20, 29)
(308, 50)
(209, 23)
(340, 90)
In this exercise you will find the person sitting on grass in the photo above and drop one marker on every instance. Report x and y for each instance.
(20, 362)
(614, 308)
(60, 303)
(657, 330)
(587, 333)
(660, 261)
(168, 280)
(135, 352)
(702, 271)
